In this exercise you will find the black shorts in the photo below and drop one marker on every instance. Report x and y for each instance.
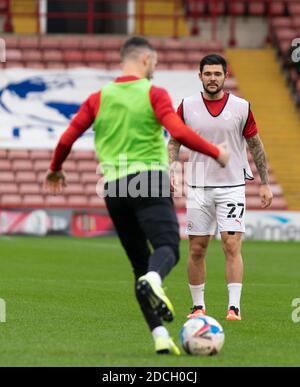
(139, 220)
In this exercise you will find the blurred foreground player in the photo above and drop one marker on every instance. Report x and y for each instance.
(128, 115)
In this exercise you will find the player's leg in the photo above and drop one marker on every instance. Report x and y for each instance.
(134, 242)
(230, 215)
(196, 269)
(234, 272)
(157, 218)
(200, 226)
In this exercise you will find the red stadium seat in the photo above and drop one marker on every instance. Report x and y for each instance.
(14, 55)
(110, 43)
(11, 41)
(157, 43)
(180, 66)
(11, 200)
(88, 177)
(237, 7)
(25, 177)
(96, 202)
(74, 189)
(284, 47)
(77, 201)
(256, 8)
(90, 189)
(94, 56)
(41, 165)
(231, 84)
(22, 165)
(72, 177)
(112, 56)
(296, 22)
(3, 154)
(72, 56)
(32, 55)
(13, 64)
(294, 9)
(174, 56)
(90, 43)
(281, 22)
(52, 56)
(216, 8)
(48, 42)
(55, 201)
(33, 200)
(72, 43)
(70, 166)
(87, 166)
(35, 65)
(82, 155)
(18, 154)
(40, 154)
(29, 188)
(286, 34)
(8, 188)
(31, 42)
(172, 44)
(4, 165)
(7, 177)
(277, 8)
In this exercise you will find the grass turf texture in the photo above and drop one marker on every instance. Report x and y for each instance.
(70, 303)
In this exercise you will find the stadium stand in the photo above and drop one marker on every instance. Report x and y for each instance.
(26, 167)
(21, 169)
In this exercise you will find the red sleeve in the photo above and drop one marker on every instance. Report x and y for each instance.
(180, 111)
(79, 124)
(166, 115)
(250, 129)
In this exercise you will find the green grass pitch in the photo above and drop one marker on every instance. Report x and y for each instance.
(69, 302)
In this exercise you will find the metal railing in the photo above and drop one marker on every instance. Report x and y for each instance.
(133, 11)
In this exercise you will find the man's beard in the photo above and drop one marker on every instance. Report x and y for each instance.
(216, 91)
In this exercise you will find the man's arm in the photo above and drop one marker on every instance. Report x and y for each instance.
(173, 149)
(259, 157)
(55, 179)
(165, 114)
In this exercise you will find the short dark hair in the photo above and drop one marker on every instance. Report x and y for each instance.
(133, 44)
(213, 59)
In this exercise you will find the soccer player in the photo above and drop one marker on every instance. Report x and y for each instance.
(218, 195)
(127, 116)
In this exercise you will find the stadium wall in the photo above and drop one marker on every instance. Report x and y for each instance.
(260, 225)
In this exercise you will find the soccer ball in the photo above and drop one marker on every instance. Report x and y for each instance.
(202, 336)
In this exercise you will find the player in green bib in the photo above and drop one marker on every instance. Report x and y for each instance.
(128, 115)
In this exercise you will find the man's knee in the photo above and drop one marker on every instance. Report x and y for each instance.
(198, 249)
(231, 247)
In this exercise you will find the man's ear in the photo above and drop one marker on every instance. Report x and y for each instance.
(146, 58)
(200, 76)
(227, 75)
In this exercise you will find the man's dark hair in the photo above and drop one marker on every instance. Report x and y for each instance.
(213, 59)
(134, 44)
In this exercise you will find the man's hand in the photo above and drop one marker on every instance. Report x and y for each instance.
(266, 195)
(55, 182)
(224, 155)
